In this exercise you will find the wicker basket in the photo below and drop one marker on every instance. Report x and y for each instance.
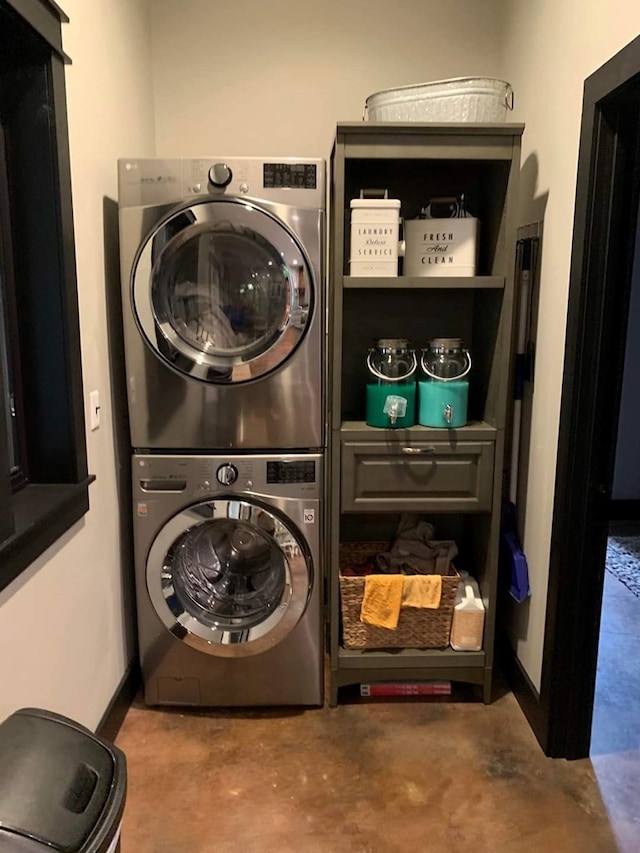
(418, 628)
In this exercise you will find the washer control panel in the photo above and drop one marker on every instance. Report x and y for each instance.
(296, 475)
(220, 175)
(227, 474)
(296, 471)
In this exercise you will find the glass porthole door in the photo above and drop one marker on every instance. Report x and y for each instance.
(222, 291)
(229, 577)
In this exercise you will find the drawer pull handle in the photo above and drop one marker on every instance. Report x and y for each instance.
(415, 451)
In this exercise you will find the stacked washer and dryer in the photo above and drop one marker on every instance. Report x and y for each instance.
(223, 310)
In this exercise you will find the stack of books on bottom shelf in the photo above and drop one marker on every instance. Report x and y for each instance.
(406, 688)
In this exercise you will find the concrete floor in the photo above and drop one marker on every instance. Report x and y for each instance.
(389, 776)
(370, 776)
(616, 709)
(615, 738)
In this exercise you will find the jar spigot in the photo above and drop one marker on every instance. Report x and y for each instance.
(395, 407)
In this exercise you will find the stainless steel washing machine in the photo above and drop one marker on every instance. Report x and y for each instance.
(223, 302)
(229, 579)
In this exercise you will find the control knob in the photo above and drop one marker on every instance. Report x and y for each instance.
(220, 175)
(227, 474)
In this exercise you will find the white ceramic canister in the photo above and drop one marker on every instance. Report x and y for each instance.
(375, 226)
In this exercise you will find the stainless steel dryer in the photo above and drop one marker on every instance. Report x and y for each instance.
(223, 302)
(228, 578)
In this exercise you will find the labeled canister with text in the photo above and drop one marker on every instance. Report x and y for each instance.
(375, 226)
(442, 241)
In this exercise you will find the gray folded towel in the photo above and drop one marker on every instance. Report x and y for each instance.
(415, 552)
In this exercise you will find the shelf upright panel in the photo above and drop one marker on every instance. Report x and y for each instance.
(334, 348)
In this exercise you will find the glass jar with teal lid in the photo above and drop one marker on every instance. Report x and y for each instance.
(391, 389)
(443, 391)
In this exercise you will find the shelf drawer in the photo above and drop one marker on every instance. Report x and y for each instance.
(435, 476)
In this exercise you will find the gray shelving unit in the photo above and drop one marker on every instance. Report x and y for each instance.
(373, 478)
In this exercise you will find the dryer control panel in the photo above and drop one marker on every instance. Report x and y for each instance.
(297, 182)
(290, 175)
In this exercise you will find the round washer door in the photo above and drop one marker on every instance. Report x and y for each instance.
(229, 577)
(222, 291)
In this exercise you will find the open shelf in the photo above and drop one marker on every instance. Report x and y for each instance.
(449, 477)
(473, 431)
(475, 282)
(395, 141)
(403, 658)
(375, 665)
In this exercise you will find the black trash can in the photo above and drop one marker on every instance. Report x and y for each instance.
(62, 788)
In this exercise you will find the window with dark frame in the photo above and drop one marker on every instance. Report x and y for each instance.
(43, 465)
(9, 339)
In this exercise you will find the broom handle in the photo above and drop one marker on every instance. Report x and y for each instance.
(521, 349)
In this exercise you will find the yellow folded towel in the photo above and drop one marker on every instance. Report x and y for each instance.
(381, 600)
(422, 591)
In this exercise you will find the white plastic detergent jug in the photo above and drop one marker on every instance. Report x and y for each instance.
(467, 625)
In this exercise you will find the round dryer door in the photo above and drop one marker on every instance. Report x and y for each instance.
(222, 291)
(229, 577)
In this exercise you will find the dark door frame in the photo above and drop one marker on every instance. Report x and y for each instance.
(606, 213)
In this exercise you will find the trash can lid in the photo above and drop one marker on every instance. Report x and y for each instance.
(56, 781)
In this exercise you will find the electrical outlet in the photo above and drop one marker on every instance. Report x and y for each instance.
(94, 410)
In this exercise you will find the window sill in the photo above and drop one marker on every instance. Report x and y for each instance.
(42, 513)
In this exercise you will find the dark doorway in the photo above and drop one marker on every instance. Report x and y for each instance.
(606, 214)
(615, 728)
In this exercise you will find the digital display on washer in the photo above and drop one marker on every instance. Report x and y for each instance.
(291, 472)
(290, 175)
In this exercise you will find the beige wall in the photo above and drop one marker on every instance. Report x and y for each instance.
(551, 46)
(64, 632)
(253, 78)
(249, 78)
